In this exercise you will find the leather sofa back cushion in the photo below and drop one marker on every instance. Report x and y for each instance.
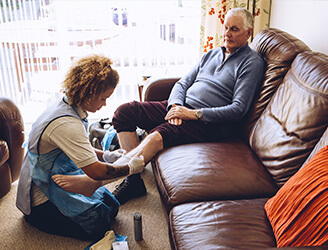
(298, 212)
(159, 89)
(279, 49)
(295, 118)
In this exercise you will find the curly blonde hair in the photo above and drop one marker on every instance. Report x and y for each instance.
(88, 78)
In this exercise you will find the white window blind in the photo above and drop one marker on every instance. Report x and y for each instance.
(40, 38)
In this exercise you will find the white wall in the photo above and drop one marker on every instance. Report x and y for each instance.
(304, 19)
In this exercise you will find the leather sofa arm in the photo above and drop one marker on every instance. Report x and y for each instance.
(158, 89)
(5, 175)
(11, 131)
(4, 152)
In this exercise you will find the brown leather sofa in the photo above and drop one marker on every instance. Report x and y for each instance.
(11, 140)
(214, 193)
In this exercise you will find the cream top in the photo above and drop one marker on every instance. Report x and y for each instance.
(68, 134)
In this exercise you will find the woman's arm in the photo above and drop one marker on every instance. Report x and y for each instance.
(103, 171)
(99, 154)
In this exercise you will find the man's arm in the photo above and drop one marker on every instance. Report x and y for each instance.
(178, 114)
(247, 82)
(178, 92)
(177, 97)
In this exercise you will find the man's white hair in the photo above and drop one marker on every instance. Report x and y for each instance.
(245, 14)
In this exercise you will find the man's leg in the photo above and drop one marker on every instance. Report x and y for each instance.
(129, 116)
(126, 118)
(133, 185)
(149, 146)
(128, 140)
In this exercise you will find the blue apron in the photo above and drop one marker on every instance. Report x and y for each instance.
(94, 214)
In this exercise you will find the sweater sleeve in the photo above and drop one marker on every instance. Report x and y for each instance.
(249, 77)
(179, 90)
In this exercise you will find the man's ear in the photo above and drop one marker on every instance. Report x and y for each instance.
(249, 32)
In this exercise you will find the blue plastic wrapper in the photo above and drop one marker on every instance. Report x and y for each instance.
(108, 138)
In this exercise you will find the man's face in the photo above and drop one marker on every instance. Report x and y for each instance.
(235, 35)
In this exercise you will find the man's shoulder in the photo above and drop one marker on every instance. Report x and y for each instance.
(213, 54)
(214, 51)
(254, 56)
(255, 61)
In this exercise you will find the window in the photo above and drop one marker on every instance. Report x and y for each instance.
(40, 38)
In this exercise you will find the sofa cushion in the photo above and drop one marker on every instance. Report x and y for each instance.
(11, 130)
(321, 143)
(238, 224)
(4, 152)
(5, 179)
(279, 49)
(210, 171)
(295, 119)
(298, 212)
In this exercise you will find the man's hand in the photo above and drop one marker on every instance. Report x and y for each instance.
(178, 114)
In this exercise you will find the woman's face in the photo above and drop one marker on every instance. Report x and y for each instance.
(98, 102)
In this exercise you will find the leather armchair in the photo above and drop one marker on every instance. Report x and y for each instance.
(159, 89)
(11, 140)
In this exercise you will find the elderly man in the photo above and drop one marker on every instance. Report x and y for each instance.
(204, 106)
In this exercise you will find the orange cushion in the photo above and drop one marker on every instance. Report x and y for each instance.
(298, 213)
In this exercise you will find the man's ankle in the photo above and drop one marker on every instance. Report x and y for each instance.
(130, 188)
(133, 177)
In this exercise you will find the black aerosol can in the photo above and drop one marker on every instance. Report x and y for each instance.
(137, 219)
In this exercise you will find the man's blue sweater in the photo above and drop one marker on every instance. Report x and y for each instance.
(224, 89)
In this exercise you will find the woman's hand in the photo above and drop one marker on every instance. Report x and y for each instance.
(178, 114)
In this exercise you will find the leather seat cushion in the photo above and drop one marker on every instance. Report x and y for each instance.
(239, 224)
(210, 171)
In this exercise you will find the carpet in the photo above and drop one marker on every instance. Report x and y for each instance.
(15, 233)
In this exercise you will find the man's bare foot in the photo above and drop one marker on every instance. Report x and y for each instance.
(81, 184)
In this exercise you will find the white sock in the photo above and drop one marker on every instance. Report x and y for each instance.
(136, 164)
(112, 156)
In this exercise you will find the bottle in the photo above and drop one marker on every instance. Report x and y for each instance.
(137, 226)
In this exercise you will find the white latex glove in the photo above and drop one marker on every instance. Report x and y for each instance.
(136, 164)
(112, 156)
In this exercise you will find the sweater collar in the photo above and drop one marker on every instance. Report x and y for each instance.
(237, 50)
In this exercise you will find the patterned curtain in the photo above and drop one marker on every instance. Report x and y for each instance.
(213, 14)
